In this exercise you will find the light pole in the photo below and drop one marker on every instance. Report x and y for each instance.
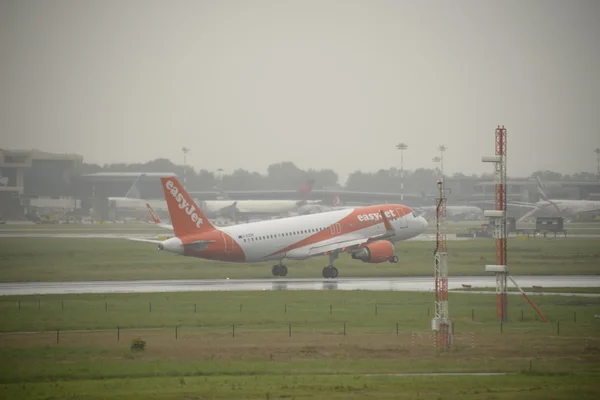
(442, 149)
(437, 161)
(185, 151)
(401, 147)
(597, 151)
(219, 184)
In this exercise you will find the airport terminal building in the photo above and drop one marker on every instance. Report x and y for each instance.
(35, 183)
(34, 179)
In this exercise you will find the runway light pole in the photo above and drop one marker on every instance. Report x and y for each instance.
(219, 177)
(597, 151)
(185, 150)
(436, 160)
(442, 149)
(401, 147)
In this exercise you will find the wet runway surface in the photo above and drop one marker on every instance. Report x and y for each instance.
(420, 284)
(125, 233)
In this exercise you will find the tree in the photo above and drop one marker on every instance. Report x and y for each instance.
(548, 175)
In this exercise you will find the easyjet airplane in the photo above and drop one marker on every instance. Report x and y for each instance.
(367, 233)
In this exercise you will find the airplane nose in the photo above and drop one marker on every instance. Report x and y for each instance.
(424, 224)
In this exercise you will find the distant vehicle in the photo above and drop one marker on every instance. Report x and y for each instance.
(367, 233)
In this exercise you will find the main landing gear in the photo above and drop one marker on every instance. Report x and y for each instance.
(394, 259)
(279, 270)
(330, 271)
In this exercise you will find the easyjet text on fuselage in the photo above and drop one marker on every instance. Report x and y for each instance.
(376, 216)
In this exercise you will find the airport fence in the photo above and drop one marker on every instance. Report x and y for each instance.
(401, 326)
(289, 335)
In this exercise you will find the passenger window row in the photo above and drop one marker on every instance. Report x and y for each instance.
(279, 235)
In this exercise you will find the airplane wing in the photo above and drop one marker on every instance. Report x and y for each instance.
(165, 226)
(145, 240)
(198, 245)
(348, 243)
(527, 214)
(342, 245)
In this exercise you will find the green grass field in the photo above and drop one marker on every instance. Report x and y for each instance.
(240, 345)
(578, 290)
(290, 344)
(59, 259)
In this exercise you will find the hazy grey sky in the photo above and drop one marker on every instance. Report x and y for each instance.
(325, 84)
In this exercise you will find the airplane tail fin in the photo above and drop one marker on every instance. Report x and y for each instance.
(543, 195)
(133, 192)
(541, 188)
(153, 214)
(337, 201)
(307, 187)
(186, 216)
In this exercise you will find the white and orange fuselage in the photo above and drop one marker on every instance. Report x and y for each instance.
(299, 237)
(294, 238)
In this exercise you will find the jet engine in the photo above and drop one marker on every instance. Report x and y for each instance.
(376, 252)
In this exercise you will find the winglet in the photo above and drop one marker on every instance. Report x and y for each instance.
(386, 222)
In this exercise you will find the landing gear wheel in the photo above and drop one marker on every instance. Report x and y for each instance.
(282, 270)
(394, 259)
(279, 270)
(330, 272)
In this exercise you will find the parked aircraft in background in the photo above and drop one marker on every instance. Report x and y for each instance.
(157, 220)
(367, 233)
(571, 209)
(319, 207)
(232, 209)
(453, 213)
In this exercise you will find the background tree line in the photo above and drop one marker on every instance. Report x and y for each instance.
(287, 176)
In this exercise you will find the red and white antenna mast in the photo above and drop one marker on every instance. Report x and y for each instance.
(441, 323)
(498, 216)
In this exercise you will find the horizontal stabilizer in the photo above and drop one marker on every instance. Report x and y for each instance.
(145, 240)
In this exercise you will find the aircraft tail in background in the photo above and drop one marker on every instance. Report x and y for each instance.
(157, 220)
(541, 188)
(307, 187)
(133, 192)
(153, 214)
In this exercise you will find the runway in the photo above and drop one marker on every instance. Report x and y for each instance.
(137, 234)
(419, 284)
(147, 235)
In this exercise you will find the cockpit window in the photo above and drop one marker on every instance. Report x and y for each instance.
(414, 214)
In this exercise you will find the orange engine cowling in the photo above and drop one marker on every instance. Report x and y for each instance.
(376, 252)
